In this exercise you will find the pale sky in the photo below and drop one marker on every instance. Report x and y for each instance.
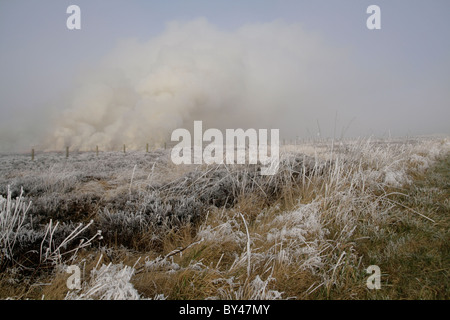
(40, 58)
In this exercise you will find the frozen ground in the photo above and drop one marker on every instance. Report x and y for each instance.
(197, 231)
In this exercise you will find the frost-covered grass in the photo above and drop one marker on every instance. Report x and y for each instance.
(225, 231)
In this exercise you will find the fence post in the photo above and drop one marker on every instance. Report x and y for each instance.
(124, 149)
(67, 152)
(32, 154)
(96, 150)
(165, 146)
(146, 148)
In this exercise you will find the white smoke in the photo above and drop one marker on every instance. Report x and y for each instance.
(272, 75)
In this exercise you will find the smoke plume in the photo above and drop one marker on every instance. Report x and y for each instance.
(273, 75)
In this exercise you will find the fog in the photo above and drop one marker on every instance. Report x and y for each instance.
(275, 74)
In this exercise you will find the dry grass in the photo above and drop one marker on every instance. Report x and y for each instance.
(309, 232)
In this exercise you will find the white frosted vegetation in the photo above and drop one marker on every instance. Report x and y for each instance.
(109, 282)
(12, 217)
(345, 190)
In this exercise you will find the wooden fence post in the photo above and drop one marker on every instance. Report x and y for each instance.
(67, 152)
(32, 154)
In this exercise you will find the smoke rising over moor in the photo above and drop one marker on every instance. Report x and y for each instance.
(273, 75)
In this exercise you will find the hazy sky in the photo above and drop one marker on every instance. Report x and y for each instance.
(400, 75)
